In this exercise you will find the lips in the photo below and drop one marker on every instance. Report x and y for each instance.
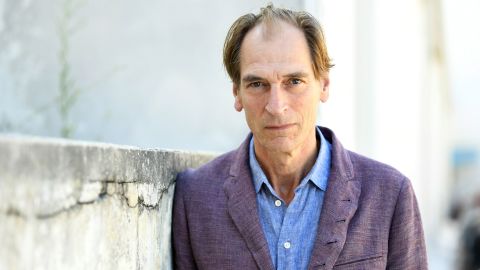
(279, 127)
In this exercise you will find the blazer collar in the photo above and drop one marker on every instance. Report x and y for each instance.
(339, 206)
(242, 207)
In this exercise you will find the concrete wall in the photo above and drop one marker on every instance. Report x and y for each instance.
(77, 205)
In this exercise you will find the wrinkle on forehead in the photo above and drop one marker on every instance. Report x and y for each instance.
(274, 51)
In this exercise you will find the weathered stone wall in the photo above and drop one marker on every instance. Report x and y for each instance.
(76, 205)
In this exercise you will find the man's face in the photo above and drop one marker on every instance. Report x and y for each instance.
(278, 89)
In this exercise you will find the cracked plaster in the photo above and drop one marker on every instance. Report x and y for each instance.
(85, 199)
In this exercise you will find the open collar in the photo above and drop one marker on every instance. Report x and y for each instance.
(318, 174)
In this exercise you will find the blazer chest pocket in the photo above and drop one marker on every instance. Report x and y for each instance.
(367, 263)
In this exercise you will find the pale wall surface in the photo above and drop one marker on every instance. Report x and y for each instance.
(77, 205)
(149, 73)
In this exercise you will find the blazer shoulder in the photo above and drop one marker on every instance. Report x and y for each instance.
(371, 171)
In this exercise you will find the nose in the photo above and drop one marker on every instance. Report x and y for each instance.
(276, 103)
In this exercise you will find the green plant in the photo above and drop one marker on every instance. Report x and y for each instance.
(68, 90)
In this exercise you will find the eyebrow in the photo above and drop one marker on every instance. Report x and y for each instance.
(298, 74)
(252, 78)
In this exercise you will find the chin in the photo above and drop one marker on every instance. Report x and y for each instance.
(280, 145)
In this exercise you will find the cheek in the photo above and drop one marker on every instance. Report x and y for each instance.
(253, 122)
(253, 106)
(309, 110)
(253, 114)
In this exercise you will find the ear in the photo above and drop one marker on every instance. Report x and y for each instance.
(325, 91)
(238, 102)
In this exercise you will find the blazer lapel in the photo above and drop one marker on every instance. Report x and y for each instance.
(339, 206)
(242, 207)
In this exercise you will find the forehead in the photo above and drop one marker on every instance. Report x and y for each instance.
(275, 47)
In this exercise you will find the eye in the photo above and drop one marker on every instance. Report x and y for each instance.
(255, 84)
(295, 81)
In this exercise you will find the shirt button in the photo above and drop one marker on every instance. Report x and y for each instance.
(278, 203)
(287, 245)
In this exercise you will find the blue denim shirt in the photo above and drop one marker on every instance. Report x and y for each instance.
(291, 230)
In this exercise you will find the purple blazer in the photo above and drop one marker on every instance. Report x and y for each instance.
(369, 220)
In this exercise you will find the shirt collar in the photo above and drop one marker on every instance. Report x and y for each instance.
(318, 175)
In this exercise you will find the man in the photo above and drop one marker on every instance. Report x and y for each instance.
(291, 197)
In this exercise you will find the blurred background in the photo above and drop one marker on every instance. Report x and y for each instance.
(404, 89)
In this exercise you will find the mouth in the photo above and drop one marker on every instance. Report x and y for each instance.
(279, 127)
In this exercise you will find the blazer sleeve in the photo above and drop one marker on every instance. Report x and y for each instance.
(406, 243)
(182, 249)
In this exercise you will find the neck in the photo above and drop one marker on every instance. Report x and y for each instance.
(285, 170)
